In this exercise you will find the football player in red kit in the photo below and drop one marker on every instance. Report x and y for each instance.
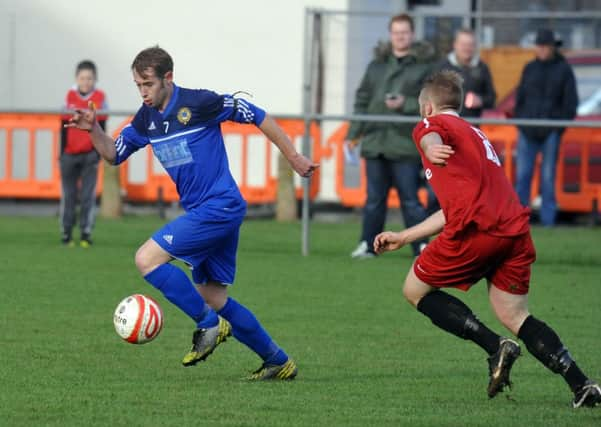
(484, 233)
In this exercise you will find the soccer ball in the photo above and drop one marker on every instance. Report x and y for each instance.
(138, 319)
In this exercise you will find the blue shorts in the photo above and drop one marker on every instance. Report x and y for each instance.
(206, 242)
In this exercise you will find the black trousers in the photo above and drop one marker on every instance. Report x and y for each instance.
(382, 174)
(79, 173)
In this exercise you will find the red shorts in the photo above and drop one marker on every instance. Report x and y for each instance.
(461, 262)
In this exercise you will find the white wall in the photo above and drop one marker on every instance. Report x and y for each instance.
(254, 46)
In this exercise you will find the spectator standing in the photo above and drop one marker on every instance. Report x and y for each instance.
(79, 160)
(478, 88)
(547, 90)
(390, 86)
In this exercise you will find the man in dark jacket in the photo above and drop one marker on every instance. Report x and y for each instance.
(478, 89)
(547, 90)
(391, 85)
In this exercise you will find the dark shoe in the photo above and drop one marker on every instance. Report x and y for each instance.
(287, 371)
(499, 366)
(205, 341)
(589, 395)
(66, 240)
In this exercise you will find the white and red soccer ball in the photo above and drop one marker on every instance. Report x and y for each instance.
(138, 319)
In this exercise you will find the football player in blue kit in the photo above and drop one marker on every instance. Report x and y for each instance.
(183, 128)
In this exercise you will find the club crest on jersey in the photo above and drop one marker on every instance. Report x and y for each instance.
(184, 115)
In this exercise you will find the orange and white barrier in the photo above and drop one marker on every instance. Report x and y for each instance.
(578, 185)
(29, 153)
(252, 160)
(29, 167)
(354, 196)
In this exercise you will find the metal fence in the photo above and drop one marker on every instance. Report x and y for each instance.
(331, 70)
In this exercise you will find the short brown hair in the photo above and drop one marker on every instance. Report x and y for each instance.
(445, 89)
(464, 30)
(401, 17)
(155, 58)
(86, 65)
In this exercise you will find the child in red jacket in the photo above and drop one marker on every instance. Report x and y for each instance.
(79, 160)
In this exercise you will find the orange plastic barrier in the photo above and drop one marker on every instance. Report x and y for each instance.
(157, 184)
(578, 172)
(32, 128)
(30, 185)
(355, 196)
(578, 185)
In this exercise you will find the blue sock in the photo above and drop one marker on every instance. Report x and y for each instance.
(247, 329)
(177, 288)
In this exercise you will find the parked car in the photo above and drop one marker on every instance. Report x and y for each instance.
(591, 106)
(587, 69)
(578, 191)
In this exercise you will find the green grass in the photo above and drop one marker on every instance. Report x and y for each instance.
(366, 358)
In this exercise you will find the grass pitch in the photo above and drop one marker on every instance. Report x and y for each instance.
(366, 358)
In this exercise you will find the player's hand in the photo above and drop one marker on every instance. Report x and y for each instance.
(303, 166)
(389, 241)
(83, 119)
(472, 100)
(395, 103)
(438, 154)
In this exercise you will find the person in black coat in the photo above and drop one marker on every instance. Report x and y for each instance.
(478, 88)
(547, 90)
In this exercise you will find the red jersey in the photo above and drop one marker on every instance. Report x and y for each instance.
(472, 188)
(76, 140)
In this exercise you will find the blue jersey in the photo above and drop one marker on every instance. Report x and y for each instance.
(187, 140)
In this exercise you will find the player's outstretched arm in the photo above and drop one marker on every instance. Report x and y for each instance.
(303, 166)
(391, 241)
(86, 120)
(435, 150)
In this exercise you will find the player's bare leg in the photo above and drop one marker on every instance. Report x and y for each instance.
(414, 289)
(149, 256)
(214, 293)
(511, 310)
(451, 315)
(544, 344)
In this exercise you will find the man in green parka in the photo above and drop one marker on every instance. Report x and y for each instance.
(391, 86)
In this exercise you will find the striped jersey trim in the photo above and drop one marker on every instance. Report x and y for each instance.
(177, 135)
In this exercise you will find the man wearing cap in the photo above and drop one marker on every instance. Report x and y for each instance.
(547, 90)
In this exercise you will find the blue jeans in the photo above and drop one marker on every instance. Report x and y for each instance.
(383, 174)
(526, 156)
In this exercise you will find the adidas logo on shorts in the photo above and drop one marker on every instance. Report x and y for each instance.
(168, 238)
